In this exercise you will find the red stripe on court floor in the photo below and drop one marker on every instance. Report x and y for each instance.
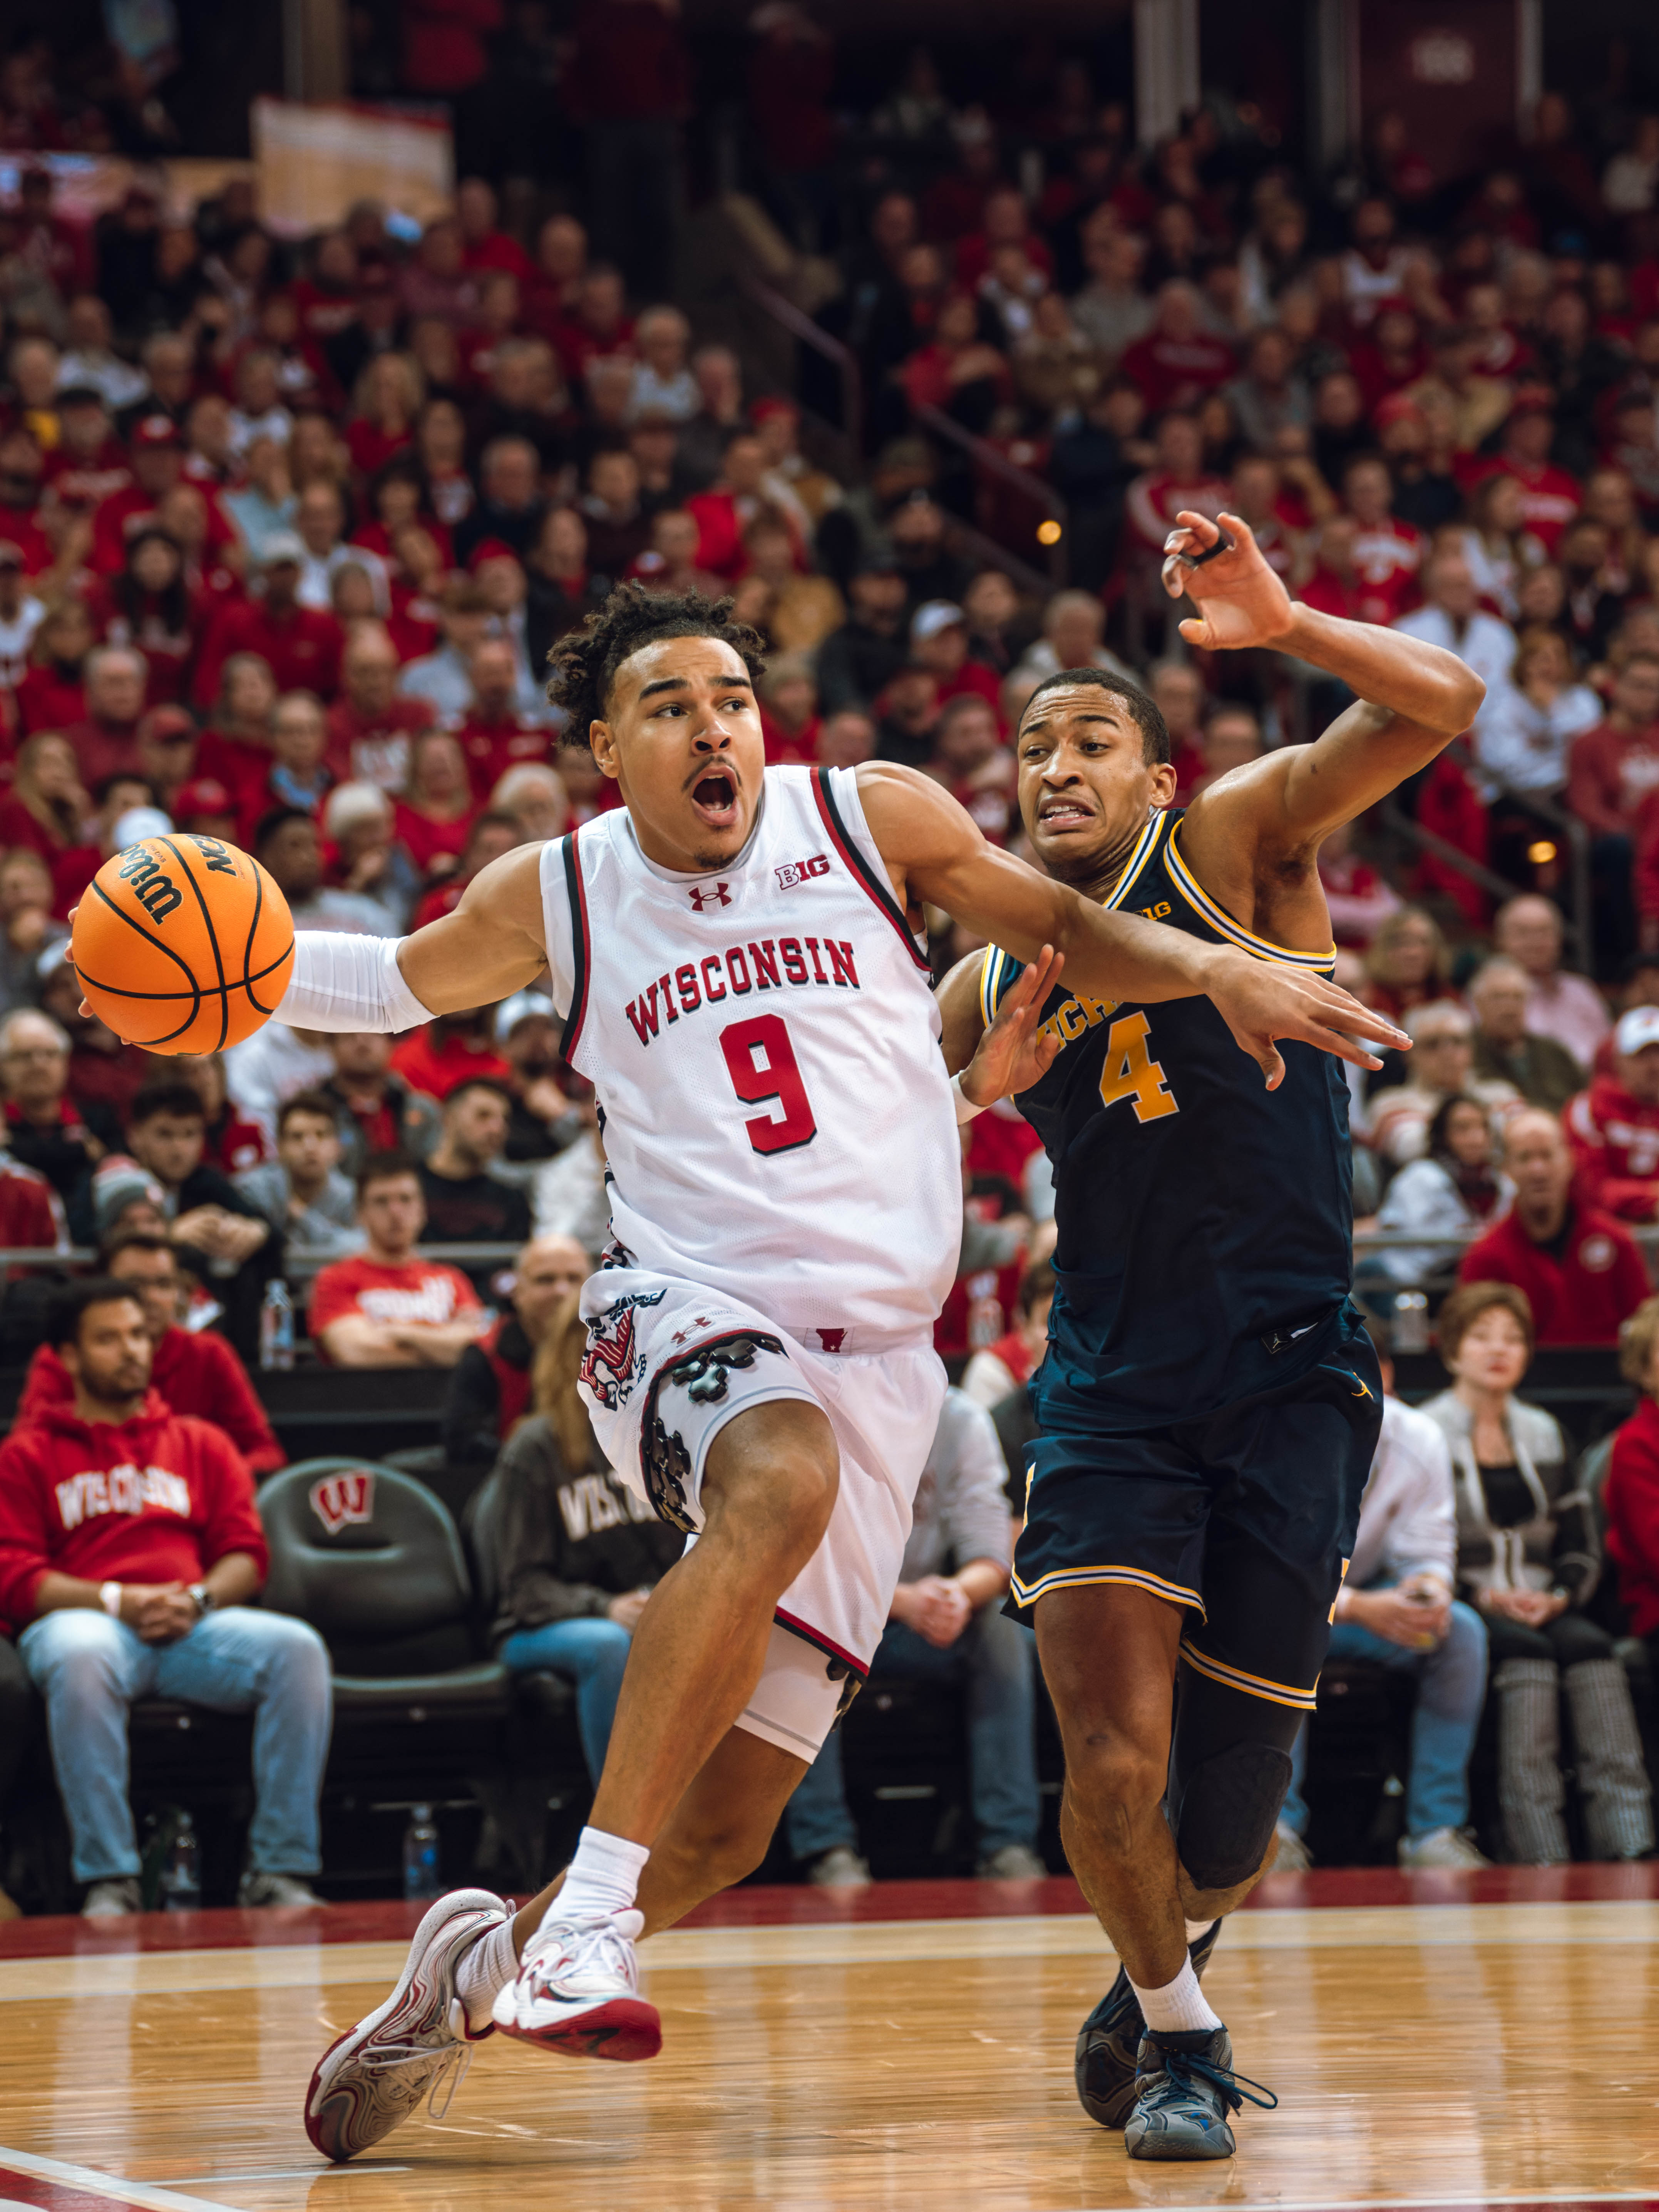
(17, 2188)
(761, 1905)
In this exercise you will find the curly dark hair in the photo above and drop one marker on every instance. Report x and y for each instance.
(583, 665)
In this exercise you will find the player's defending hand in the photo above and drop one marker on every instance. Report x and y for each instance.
(1240, 600)
(1261, 1002)
(1013, 1054)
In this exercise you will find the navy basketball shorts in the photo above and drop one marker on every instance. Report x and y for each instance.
(1245, 1517)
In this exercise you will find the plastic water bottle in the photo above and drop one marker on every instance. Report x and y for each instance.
(1410, 1332)
(277, 1326)
(181, 1876)
(423, 1876)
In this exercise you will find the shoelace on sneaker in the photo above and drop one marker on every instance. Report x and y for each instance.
(450, 2073)
(1179, 2067)
(578, 1941)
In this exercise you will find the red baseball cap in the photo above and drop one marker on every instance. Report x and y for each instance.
(157, 430)
(490, 548)
(205, 794)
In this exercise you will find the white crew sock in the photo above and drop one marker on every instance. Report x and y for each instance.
(601, 1879)
(1178, 2006)
(1196, 1929)
(482, 1969)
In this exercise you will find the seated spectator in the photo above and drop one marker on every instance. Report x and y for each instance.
(362, 858)
(542, 1121)
(510, 505)
(1452, 1189)
(969, 758)
(857, 662)
(51, 693)
(295, 778)
(299, 645)
(1450, 617)
(194, 1370)
(1178, 360)
(302, 1192)
(1613, 1127)
(386, 1307)
(1177, 478)
(27, 927)
(574, 1555)
(287, 843)
(230, 1141)
(1231, 739)
(434, 817)
(1526, 728)
(1506, 1051)
(948, 1626)
(45, 1129)
(370, 726)
(1580, 1270)
(938, 640)
(236, 743)
(1442, 1062)
(495, 733)
(1567, 1007)
(219, 1234)
(535, 798)
(1073, 625)
(1397, 1609)
(1630, 1494)
(617, 526)
(374, 1110)
(101, 1068)
(465, 1204)
(137, 1585)
(489, 1392)
(725, 512)
(570, 1196)
(443, 678)
(453, 1049)
(1009, 1363)
(105, 742)
(1528, 1560)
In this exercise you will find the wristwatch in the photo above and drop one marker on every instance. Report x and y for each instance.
(202, 1596)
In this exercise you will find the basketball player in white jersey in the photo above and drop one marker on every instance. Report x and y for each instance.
(734, 956)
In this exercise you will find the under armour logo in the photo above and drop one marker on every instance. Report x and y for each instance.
(797, 871)
(710, 895)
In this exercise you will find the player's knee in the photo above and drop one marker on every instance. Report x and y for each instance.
(1228, 1811)
(1113, 1784)
(718, 1849)
(769, 1487)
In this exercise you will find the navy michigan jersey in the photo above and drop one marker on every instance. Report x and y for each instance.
(1205, 1223)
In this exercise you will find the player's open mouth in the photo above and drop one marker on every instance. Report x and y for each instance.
(715, 798)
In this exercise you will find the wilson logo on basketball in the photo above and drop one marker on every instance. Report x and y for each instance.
(339, 1499)
(153, 888)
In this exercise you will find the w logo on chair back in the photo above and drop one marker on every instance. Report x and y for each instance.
(338, 1499)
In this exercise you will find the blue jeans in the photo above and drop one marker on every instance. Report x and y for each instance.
(1451, 1687)
(593, 1651)
(90, 1668)
(994, 1656)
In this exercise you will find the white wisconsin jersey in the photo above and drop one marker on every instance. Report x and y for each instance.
(764, 1043)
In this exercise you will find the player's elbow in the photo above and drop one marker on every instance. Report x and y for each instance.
(1465, 691)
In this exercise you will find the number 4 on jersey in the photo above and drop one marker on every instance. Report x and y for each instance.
(1130, 1073)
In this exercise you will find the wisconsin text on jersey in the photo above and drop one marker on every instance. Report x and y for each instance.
(764, 965)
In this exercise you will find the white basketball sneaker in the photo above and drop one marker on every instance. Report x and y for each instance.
(577, 1992)
(417, 2043)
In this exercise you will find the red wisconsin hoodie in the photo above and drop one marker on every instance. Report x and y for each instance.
(195, 1372)
(156, 1499)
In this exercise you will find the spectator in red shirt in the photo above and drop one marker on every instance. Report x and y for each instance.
(150, 607)
(106, 743)
(1336, 585)
(31, 1212)
(195, 1370)
(294, 773)
(236, 744)
(1549, 497)
(451, 1049)
(1177, 478)
(495, 734)
(52, 693)
(482, 244)
(299, 645)
(131, 1545)
(436, 814)
(387, 1308)
(969, 758)
(1614, 1126)
(1178, 360)
(1580, 1270)
(47, 812)
(371, 724)
(22, 466)
(1005, 220)
(1630, 1495)
(1388, 553)
(938, 640)
(47, 1129)
(723, 512)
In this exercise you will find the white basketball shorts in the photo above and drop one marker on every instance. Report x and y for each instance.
(668, 1365)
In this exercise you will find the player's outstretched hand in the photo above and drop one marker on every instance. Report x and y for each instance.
(1013, 1054)
(1262, 1001)
(1241, 602)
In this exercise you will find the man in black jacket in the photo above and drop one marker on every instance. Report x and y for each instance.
(490, 1386)
(219, 1234)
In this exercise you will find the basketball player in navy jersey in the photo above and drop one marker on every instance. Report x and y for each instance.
(733, 954)
(1209, 1405)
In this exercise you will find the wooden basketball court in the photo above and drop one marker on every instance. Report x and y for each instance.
(1434, 2040)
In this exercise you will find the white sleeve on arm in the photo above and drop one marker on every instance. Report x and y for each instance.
(343, 982)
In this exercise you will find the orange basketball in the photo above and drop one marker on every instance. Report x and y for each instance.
(183, 944)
